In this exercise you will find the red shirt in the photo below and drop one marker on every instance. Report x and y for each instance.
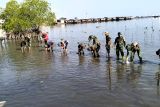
(46, 37)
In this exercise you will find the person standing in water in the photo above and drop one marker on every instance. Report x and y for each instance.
(108, 43)
(66, 46)
(120, 43)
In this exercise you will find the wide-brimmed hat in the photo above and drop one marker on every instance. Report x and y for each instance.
(106, 33)
(135, 43)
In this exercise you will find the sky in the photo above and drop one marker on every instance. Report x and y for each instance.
(101, 8)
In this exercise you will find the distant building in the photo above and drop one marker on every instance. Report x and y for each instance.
(61, 20)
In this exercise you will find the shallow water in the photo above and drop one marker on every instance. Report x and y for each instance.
(42, 79)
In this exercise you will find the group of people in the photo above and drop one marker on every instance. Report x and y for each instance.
(45, 42)
(93, 46)
(49, 44)
(120, 44)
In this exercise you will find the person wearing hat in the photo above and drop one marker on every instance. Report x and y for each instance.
(120, 43)
(108, 43)
(131, 50)
(95, 47)
(136, 48)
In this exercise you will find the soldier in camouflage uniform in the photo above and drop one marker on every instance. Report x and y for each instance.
(132, 49)
(108, 43)
(95, 47)
(120, 43)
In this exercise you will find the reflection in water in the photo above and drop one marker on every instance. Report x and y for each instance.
(95, 60)
(3, 46)
(158, 89)
(120, 68)
(81, 59)
(64, 58)
(134, 73)
(109, 66)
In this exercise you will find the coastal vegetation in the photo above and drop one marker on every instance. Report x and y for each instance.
(26, 16)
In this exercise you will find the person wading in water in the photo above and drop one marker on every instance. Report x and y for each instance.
(108, 43)
(131, 50)
(119, 43)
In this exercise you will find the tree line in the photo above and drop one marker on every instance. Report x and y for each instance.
(26, 16)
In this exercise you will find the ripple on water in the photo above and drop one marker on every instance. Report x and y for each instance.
(41, 79)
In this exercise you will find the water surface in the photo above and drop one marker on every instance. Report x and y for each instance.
(42, 79)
